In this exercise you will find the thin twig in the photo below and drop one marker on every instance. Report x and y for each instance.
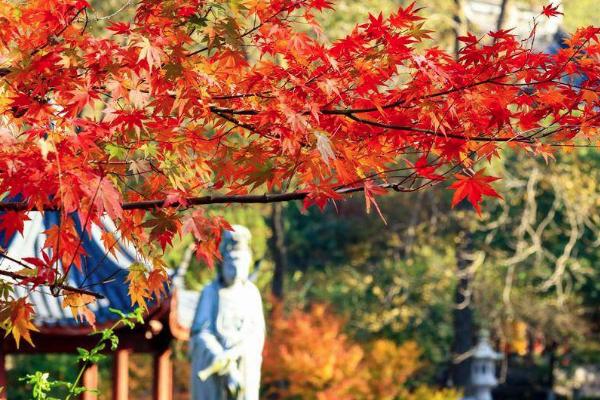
(68, 288)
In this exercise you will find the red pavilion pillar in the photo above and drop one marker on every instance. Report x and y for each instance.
(90, 381)
(163, 376)
(121, 375)
(3, 380)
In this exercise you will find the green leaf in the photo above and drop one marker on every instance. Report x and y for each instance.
(115, 151)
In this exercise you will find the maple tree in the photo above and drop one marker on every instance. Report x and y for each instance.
(195, 102)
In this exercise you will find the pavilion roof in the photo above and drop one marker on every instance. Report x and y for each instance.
(102, 272)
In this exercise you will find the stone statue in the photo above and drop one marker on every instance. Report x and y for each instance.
(228, 331)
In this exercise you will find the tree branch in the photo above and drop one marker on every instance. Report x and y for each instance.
(206, 200)
(440, 134)
(68, 288)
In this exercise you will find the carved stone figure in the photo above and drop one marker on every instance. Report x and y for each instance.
(228, 332)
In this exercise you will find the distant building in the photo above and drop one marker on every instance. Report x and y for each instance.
(482, 16)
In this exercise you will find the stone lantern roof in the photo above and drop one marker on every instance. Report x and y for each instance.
(483, 350)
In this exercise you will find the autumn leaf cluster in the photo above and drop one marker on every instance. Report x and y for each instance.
(192, 102)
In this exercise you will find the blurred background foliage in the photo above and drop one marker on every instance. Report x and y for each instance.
(335, 366)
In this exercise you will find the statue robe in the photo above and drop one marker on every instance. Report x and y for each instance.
(228, 318)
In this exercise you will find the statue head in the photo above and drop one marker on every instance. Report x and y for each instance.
(237, 256)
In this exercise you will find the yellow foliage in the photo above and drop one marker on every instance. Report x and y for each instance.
(517, 337)
(138, 284)
(144, 284)
(427, 393)
(389, 367)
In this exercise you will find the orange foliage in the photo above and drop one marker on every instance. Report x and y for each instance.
(308, 356)
(20, 314)
(78, 302)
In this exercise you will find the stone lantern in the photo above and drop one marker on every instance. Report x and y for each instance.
(483, 369)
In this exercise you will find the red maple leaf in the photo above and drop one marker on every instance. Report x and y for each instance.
(551, 11)
(427, 170)
(120, 28)
(321, 4)
(12, 222)
(405, 16)
(473, 188)
(371, 190)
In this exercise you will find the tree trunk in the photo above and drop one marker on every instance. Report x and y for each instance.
(463, 324)
(279, 251)
(460, 24)
(552, 362)
(502, 14)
